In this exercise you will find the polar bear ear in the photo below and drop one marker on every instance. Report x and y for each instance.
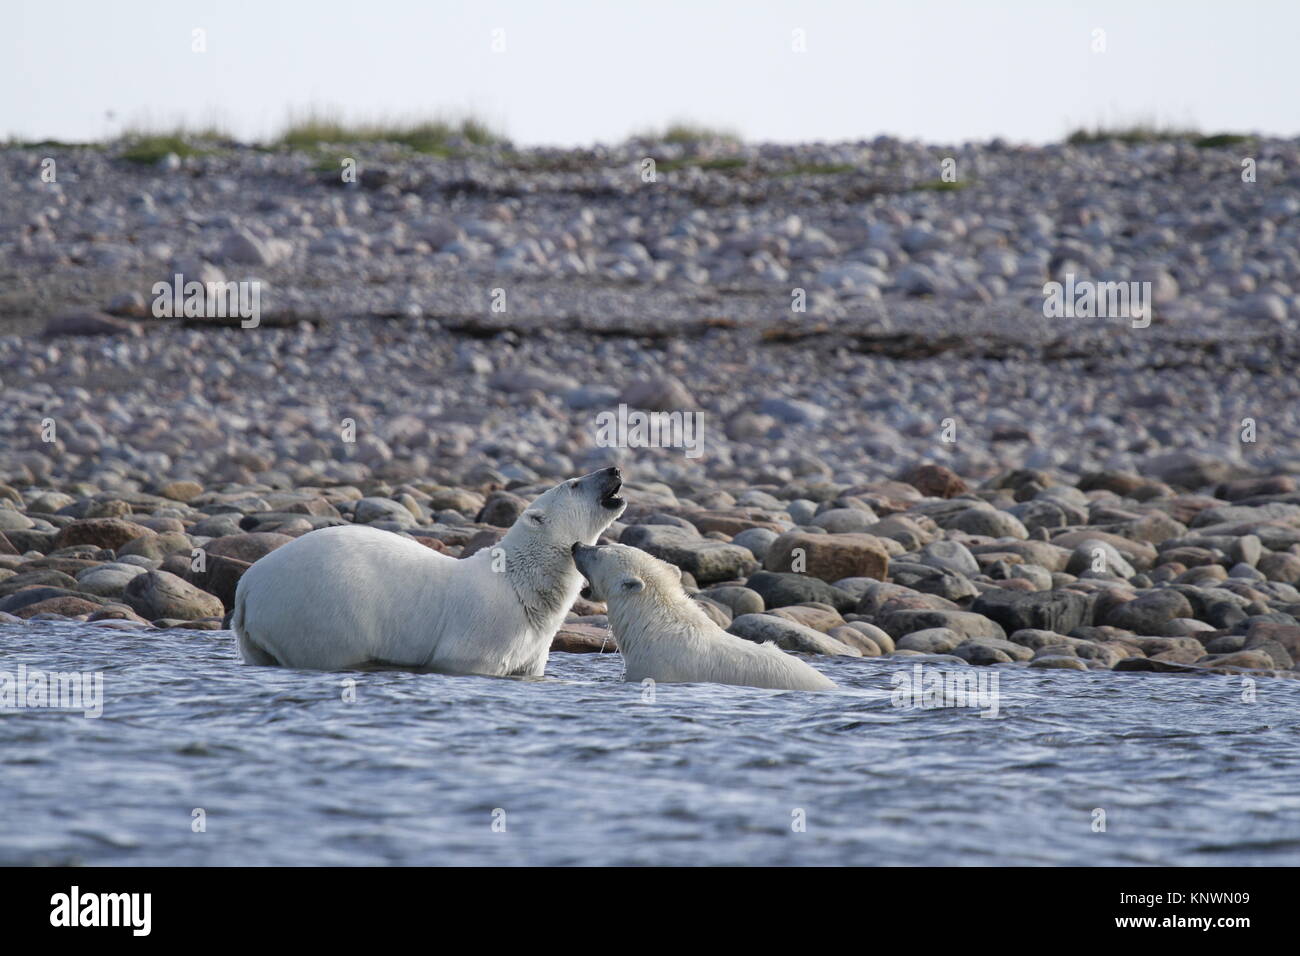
(535, 517)
(631, 585)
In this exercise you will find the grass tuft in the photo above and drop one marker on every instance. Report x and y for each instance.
(439, 137)
(683, 133)
(941, 185)
(1222, 139)
(145, 146)
(1135, 133)
(12, 143)
(819, 169)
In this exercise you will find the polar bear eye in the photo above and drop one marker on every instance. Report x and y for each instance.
(536, 517)
(632, 584)
(573, 485)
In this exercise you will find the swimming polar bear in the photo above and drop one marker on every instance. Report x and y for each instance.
(352, 596)
(665, 636)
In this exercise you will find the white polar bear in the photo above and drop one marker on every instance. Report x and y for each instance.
(351, 596)
(665, 636)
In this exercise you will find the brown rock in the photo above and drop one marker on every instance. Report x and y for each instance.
(158, 594)
(108, 508)
(935, 481)
(853, 637)
(433, 544)
(1180, 655)
(67, 606)
(109, 533)
(246, 547)
(822, 617)
(181, 490)
(728, 524)
(1254, 660)
(1250, 487)
(584, 608)
(910, 532)
(1016, 584)
(830, 557)
(487, 538)
(116, 612)
(1280, 566)
(1288, 635)
(583, 639)
(1122, 483)
(158, 546)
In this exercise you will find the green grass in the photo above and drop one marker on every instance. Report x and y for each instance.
(1152, 133)
(941, 185)
(438, 137)
(1135, 133)
(148, 146)
(819, 169)
(713, 164)
(1222, 139)
(48, 144)
(684, 133)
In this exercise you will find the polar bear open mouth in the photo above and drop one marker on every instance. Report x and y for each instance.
(610, 498)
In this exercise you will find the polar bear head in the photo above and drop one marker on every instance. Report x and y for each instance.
(617, 572)
(573, 512)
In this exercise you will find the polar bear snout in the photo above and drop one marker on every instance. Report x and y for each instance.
(582, 557)
(587, 594)
(607, 482)
(617, 568)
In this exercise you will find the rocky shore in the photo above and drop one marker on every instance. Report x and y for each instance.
(918, 463)
(1117, 572)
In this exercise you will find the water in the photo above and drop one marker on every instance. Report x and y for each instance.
(287, 772)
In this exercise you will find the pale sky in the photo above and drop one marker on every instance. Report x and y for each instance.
(577, 72)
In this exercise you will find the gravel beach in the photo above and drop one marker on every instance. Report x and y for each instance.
(900, 453)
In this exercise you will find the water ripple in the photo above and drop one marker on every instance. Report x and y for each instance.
(582, 770)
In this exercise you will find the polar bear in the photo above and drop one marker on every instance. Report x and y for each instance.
(665, 636)
(352, 596)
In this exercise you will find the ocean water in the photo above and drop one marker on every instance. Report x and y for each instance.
(582, 768)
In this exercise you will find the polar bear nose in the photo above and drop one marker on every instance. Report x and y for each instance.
(613, 472)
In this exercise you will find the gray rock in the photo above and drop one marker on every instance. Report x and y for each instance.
(158, 594)
(988, 522)
(952, 555)
(898, 623)
(108, 580)
(383, 509)
(756, 540)
(781, 589)
(1149, 612)
(930, 640)
(1060, 611)
(706, 559)
(789, 635)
